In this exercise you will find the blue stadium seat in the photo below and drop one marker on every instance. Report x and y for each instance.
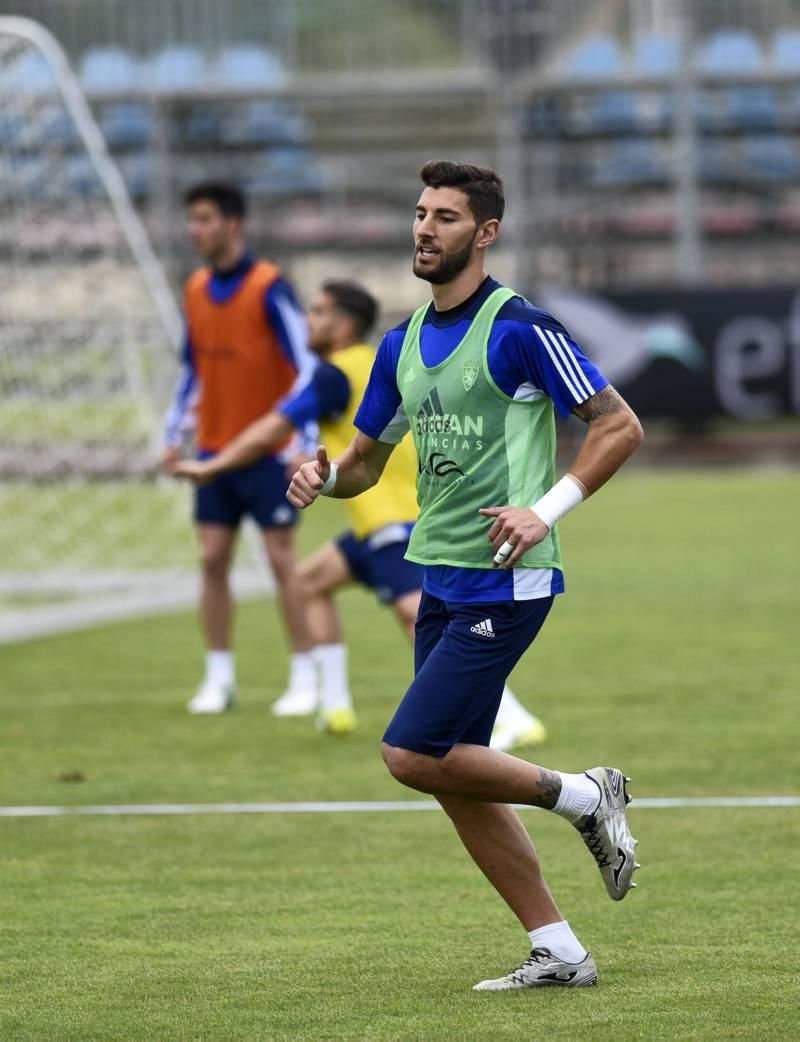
(263, 123)
(786, 50)
(138, 173)
(544, 116)
(597, 57)
(30, 72)
(629, 163)
(81, 178)
(751, 108)
(730, 51)
(109, 70)
(716, 162)
(614, 112)
(285, 171)
(202, 125)
(178, 68)
(56, 128)
(772, 158)
(656, 55)
(248, 68)
(127, 125)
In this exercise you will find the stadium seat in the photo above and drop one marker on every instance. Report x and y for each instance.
(285, 171)
(248, 68)
(716, 162)
(544, 116)
(772, 158)
(263, 123)
(786, 50)
(81, 178)
(751, 108)
(614, 112)
(656, 55)
(730, 51)
(138, 173)
(127, 125)
(109, 70)
(56, 128)
(202, 125)
(31, 72)
(597, 57)
(629, 163)
(178, 68)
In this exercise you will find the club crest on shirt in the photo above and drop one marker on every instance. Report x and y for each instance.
(469, 374)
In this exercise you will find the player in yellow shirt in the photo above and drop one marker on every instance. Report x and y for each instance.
(372, 552)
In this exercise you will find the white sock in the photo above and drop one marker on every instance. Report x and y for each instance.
(560, 940)
(331, 660)
(579, 795)
(219, 668)
(512, 713)
(302, 672)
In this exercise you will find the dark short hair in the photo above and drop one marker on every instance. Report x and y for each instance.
(228, 198)
(481, 185)
(357, 302)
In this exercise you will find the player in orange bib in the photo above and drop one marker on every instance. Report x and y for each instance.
(245, 349)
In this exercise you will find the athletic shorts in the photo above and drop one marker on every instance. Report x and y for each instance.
(257, 491)
(378, 562)
(463, 655)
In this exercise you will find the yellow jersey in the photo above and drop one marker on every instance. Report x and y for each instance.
(394, 499)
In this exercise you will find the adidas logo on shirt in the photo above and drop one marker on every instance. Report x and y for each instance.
(483, 629)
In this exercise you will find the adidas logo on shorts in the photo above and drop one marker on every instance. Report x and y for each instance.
(483, 629)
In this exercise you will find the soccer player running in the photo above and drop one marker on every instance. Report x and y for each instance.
(373, 551)
(475, 376)
(245, 349)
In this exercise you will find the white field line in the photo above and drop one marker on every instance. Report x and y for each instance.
(371, 806)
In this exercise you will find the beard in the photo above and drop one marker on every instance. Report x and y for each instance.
(450, 265)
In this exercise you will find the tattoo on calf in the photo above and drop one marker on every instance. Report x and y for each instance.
(549, 789)
(604, 403)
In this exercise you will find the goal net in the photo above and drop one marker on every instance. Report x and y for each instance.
(88, 342)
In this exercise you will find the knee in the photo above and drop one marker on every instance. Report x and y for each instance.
(214, 563)
(410, 769)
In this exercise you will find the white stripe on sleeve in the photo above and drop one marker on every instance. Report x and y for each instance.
(586, 381)
(572, 367)
(396, 429)
(554, 359)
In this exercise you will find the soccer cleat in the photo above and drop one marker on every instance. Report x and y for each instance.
(530, 731)
(337, 722)
(296, 702)
(606, 833)
(542, 969)
(212, 698)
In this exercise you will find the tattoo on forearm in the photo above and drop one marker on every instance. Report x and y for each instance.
(548, 791)
(604, 403)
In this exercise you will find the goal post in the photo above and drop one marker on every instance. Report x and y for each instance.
(89, 335)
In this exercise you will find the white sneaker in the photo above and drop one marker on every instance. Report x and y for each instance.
(528, 730)
(212, 698)
(296, 702)
(606, 832)
(543, 970)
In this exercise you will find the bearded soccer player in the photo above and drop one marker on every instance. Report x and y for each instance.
(372, 552)
(245, 350)
(476, 376)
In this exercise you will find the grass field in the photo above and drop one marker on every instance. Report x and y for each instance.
(674, 655)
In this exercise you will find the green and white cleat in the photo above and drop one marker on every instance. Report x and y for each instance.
(212, 698)
(606, 832)
(543, 970)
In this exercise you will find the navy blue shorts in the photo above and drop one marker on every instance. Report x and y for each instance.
(463, 655)
(257, 491)
(378, 562)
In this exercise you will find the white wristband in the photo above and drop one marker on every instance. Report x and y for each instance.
(330, 483)
(564, 496)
